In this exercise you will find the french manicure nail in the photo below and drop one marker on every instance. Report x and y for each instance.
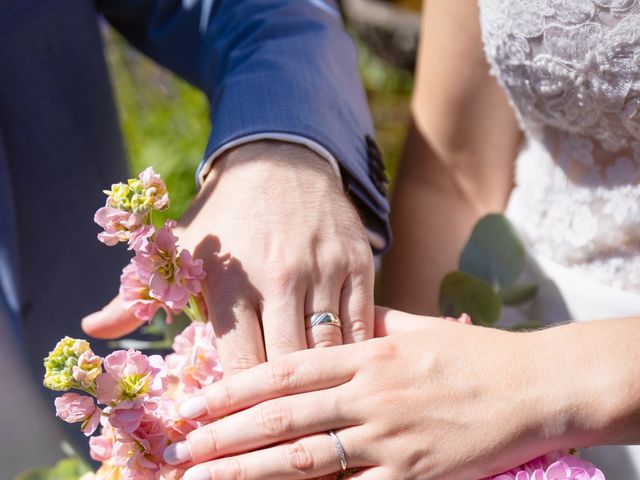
(177, 453)
(199, 472)
(194, 407)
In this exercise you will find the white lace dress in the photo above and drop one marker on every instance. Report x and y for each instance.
(571, 69)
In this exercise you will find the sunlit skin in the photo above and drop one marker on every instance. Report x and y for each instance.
(280, 240)
(448, 401)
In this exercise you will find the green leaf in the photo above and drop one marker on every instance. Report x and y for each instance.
(157, 326)
(65, 469)
(494, 252)
(175, 328)
(463, 293)
(518, 294)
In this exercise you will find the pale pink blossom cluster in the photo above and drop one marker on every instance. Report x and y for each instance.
(194, 362)
(160, 275)
(135, 399)
(554, 466)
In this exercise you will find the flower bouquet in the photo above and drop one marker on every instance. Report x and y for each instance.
(133, 398)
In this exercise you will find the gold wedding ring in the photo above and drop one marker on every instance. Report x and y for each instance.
(322, 318)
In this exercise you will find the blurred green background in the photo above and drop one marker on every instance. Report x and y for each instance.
(166, 124)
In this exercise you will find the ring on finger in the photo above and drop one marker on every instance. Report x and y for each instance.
(322, 318)
(340, 449)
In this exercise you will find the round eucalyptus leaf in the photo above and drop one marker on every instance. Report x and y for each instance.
(518, 293)
(494, 252)
(461, 293)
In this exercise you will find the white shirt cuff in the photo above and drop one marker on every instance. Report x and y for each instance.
(283, 137)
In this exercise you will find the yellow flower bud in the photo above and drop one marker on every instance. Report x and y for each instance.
(62, 371)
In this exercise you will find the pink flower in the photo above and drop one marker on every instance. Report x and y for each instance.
(139, 454)
(195, 362)
(169, 472)
(154, 188)
(191, 272)
(73, 408)
(131, 376)
(126, 415)
(140, 239)
(101, 446)
(177, 427)
(117, 224)
(107, 471)
(87, 369)
(550, 467)
(172, 277)
(136, 295)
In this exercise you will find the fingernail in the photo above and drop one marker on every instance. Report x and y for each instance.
(199, 472)
(177, 453)
(194, 407)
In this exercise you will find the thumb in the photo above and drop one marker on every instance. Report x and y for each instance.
(389, 322)
(112, 321)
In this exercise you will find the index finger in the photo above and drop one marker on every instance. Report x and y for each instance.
(113, 321)
(298, 372)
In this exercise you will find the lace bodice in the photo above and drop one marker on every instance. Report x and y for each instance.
(571, 69)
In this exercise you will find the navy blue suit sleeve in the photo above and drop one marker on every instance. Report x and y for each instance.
(284, 66)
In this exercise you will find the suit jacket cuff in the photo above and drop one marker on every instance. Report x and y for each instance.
(205, 166)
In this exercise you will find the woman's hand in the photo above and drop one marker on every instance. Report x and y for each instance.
(446, 402)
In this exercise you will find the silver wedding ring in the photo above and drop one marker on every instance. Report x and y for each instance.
(322, 318)
(340, 449)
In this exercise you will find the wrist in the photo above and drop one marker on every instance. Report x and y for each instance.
(273, 160)
(281, 177)
(587, 395)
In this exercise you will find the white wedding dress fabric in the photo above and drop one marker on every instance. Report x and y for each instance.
(571, 70)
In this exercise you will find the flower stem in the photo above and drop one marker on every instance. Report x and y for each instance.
(194, 311)
(90, 390)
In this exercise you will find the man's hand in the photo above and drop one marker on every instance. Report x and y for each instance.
(280, 240)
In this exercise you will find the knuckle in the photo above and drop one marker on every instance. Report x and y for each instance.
(333, 259)
(239, 362)
(326, 343)
(273, 419)
(204, 442)
(382, 352)
(362, 261)
(224, 398)
(282, 374)
(360, 328)
(299, 458)
(325, 337)
(235, 470)
(285, 276)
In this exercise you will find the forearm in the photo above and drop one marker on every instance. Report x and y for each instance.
(458, 161)
(432, 217)
(588, 379)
